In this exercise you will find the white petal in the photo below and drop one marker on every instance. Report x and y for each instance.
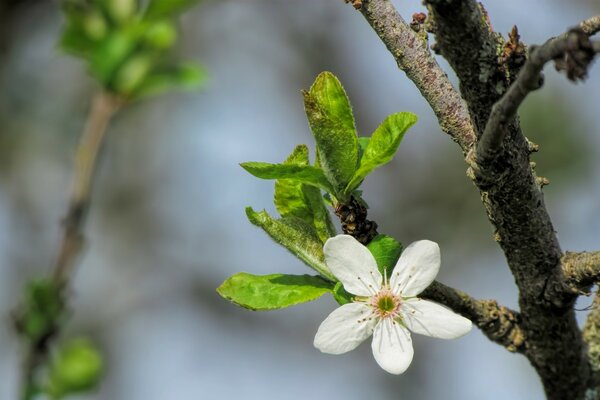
(392, 346)
(353, 264)
(345, 328)
(431, 319)
(417, 267)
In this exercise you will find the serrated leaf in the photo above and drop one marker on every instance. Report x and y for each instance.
(272, 292)
(296, 236)
(167, 8)
(382, 146)
(289, 197)
(321, 219)
(302, 173)
(386, 251)
(293, 198)
(332, 123)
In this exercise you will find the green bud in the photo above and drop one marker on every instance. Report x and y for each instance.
(121, 10)
(132, 73)
(94, 26)
(77, 368)
(161, 35)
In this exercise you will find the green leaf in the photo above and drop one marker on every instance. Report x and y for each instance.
(321, 219)
(293, 198)
(133, 73)
(272, 292)
(302, 173)
(363, 142)
(386, 251)
(187, 76)
(332, 123)
(296, 236)
(289, 197)
(382, 146)
(167, 8)
(76, 368)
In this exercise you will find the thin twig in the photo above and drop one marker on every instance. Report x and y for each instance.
(577, 49)
(414, 58)
(86, 160)
(500, 324)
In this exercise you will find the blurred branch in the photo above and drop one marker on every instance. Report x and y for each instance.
(572, 52)
(414, 58)
(500, 324)
(103, 107)
(590, 26)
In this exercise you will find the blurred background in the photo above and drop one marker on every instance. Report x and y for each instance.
(167, 224)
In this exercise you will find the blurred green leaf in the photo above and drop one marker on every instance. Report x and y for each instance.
(272, 292)
(187, 76)
(332, 123)
(382, 146)
(112, 52)
(168, 8)
(386, 251)
(301, 173)
(296, 236)
(76, 368)
(321, 219)
(41, 311)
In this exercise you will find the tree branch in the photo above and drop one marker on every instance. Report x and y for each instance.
(103, 107)
(414, 58)
(509, 188)
(591, 335)
(578, 52)
(500, 324)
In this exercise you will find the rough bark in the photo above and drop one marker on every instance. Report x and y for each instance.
(510, 190)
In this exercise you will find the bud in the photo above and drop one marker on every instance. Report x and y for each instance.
(161, 35)
(77, 368)
(121, 10)
(94, 26)
(132, 73)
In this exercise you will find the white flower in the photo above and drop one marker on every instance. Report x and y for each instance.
(387, 310)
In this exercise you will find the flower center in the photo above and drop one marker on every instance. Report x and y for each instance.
(385, 304)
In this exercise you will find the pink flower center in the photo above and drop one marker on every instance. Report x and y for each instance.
(386, 304)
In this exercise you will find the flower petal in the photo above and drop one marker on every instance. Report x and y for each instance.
(392, 346)
(345, 328)
(432, 319)
(417, 267)
(353, 264)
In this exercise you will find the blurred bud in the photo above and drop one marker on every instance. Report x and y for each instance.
(94, 26)
(161, 35)
(121, 10)
(132, 73)
(77, 368)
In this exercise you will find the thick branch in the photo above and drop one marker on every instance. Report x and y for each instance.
(578, 53)
(591, 335)
(500, 324)
(511, 195)
(414, 58)
(465, 38)
(591, 26)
